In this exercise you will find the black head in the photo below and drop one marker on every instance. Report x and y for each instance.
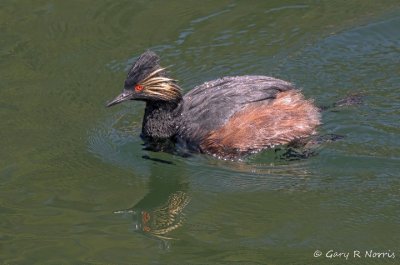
(146, 64)
(148, 81)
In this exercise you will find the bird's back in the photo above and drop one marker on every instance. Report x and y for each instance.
(234, 115)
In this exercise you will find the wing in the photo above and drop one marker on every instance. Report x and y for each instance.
(209, 106)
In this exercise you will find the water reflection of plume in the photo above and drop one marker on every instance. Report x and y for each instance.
(166, 218)
(161, 210)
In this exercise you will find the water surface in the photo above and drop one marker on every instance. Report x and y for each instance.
(77, 187)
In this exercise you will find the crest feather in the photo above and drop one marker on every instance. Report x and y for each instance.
(147, 72)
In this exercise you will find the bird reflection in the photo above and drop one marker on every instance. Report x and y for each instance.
(160, 211)
(167, 217)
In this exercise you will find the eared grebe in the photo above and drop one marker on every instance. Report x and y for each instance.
(228, 117)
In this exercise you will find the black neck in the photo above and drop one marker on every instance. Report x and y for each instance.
(159, 121)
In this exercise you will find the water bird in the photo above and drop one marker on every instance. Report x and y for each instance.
(228, 117)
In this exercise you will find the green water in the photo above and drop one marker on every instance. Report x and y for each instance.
(75, 186)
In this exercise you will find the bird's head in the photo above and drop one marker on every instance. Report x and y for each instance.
(147, 81)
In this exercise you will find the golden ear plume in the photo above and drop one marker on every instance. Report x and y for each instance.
(161, 87)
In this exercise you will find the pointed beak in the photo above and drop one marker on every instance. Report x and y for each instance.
(124, 96)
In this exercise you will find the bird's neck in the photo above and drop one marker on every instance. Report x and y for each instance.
(160, 119)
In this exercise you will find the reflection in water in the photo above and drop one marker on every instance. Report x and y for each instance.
(161, 210)
(161, 220)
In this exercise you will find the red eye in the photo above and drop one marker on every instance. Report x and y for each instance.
(138, 88)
